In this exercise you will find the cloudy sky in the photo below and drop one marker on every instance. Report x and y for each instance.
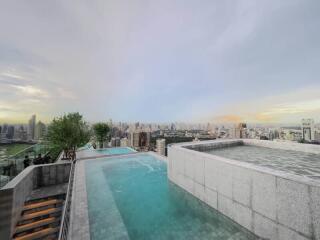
(159, 61)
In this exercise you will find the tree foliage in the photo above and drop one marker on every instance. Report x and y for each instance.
(101, 131)
(69, 132)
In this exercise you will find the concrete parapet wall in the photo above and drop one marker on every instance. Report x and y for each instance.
(15, 193)
(269, 203)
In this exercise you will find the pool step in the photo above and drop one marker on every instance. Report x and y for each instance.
(39, 234)
(40, 219)
(36, 224)
(40, 213)
(31, 206)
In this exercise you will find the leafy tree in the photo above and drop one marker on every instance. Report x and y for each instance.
(69, 132)
(101, 130)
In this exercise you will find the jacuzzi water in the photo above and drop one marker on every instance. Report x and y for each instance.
(131, 198)
(295, 162)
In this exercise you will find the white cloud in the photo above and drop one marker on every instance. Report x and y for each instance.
(12, 75)
(160, 60)
(31, 91)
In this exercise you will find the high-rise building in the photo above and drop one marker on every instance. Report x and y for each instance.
(32, 127)
(317, 135)
(134, 139)
(10, 132)
(124, 142)
(115, 142)
(161, 146)
(274, 134)
(40, 130)
(22, 133)
(239, 131)
(308, 130)
(139, 139)
(4, 128)
(3, 133)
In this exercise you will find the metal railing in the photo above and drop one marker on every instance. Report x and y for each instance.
(65, 219)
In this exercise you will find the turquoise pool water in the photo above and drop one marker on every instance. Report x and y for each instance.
(91, 152)
(116, 150)
(131, 198)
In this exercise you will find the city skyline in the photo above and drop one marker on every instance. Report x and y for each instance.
(221, 62)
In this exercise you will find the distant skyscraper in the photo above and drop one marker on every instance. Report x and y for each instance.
(308, 130)
(4, 128)
(115, 142)
(145, 139)
(139, 139)
(3, 133)
(10, 132)
(40, 130)
(239, 131)
(32, 127)
(124, 142)
(208, 127)
(317, 135)
(161, 146)
(134, 139)
(20, 133)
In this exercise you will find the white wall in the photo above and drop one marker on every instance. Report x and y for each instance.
(271, 204)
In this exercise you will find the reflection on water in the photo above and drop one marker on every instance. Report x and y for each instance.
(134, 196)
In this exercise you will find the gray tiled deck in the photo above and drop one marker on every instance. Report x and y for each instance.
(48, 191)
(79, 219)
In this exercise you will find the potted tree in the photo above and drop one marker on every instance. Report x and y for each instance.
(68, 133)
(101, 131)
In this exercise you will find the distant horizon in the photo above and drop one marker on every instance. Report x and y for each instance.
(297, 124)
(161, 61)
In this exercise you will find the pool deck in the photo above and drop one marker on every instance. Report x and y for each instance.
(49, 191)
(79, 217)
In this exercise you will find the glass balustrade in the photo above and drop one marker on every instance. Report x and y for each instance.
(13, 165)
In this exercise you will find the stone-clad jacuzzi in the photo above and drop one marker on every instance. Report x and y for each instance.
(270, 188)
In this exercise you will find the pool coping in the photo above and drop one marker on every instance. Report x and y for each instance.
(79, 215)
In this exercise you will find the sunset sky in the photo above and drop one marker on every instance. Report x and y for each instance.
(160, 61)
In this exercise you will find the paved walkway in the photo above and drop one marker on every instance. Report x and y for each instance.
(48, 191)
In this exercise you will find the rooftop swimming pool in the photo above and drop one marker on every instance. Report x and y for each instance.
(114, 151)
(131, 198)
(295, 162)
(91, 152)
